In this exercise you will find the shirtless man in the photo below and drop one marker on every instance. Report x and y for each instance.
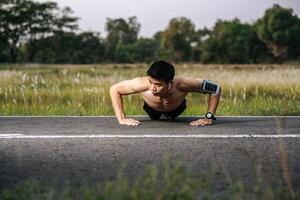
(164, 94)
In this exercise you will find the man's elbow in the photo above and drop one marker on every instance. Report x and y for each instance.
(219, 92)
(216, 94)
(113, 90)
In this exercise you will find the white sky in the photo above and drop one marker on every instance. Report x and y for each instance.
(154, 15)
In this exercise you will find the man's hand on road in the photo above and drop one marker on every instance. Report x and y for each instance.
(129, 122)
(201, 122)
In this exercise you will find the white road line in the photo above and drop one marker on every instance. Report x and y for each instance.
(21, 136)
(9, 135)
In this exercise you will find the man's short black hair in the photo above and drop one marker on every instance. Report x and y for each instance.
(161, 70)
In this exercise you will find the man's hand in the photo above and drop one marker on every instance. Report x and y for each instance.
(129, 122)
(201, 122)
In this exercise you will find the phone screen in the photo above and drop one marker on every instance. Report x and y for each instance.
(211, 87)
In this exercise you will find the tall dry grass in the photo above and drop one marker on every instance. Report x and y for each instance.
(84, 90)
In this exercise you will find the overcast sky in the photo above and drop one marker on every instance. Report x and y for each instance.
(154, 15)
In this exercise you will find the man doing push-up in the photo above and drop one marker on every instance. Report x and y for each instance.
(164, 94)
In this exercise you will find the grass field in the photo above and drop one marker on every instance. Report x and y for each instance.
(84, 89)
(174, 182)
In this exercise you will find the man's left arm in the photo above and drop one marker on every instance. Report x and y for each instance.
(203, 86)
(213, 101)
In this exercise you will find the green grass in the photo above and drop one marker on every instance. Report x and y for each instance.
(84, 90)
(172, 183)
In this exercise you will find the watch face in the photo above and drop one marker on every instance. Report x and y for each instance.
(208, 115)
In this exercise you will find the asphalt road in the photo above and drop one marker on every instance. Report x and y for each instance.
(47, 149)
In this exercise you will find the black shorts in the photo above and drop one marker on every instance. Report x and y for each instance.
(155, 115)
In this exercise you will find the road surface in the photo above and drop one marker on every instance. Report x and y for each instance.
(55, 149)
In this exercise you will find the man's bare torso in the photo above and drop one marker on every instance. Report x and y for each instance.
(169, 102)
(161, 92)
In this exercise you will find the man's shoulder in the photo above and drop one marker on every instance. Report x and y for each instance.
(182, 78)
(139, 82)
(140, 79)
(179, 80)
(134, 85)
(187, 84)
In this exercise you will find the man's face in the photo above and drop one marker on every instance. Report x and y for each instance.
(157, 87)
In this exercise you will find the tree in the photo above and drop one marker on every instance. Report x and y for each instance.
(279, 29)
(64, 47)
(200, 36)
(231, 42)
(89, 48)
(144, 50)
(58, 48)
(176, 40)
(26, 21)
(120, 33)
(13, 24)
(4, 54)
(47, 21)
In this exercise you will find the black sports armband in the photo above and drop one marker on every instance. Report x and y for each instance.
(209, 87)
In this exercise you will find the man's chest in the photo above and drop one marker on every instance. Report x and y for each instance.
(165, 104)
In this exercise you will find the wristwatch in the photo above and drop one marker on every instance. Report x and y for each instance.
(209, 115)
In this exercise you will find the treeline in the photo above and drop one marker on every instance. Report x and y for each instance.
(38, 32)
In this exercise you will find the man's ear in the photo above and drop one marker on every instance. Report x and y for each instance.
(170, 84)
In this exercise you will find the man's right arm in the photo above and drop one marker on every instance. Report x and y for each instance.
(126, 87)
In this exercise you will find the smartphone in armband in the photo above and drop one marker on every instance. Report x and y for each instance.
(209, 87)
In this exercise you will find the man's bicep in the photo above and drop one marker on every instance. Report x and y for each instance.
(190, 84)
(200, 85)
